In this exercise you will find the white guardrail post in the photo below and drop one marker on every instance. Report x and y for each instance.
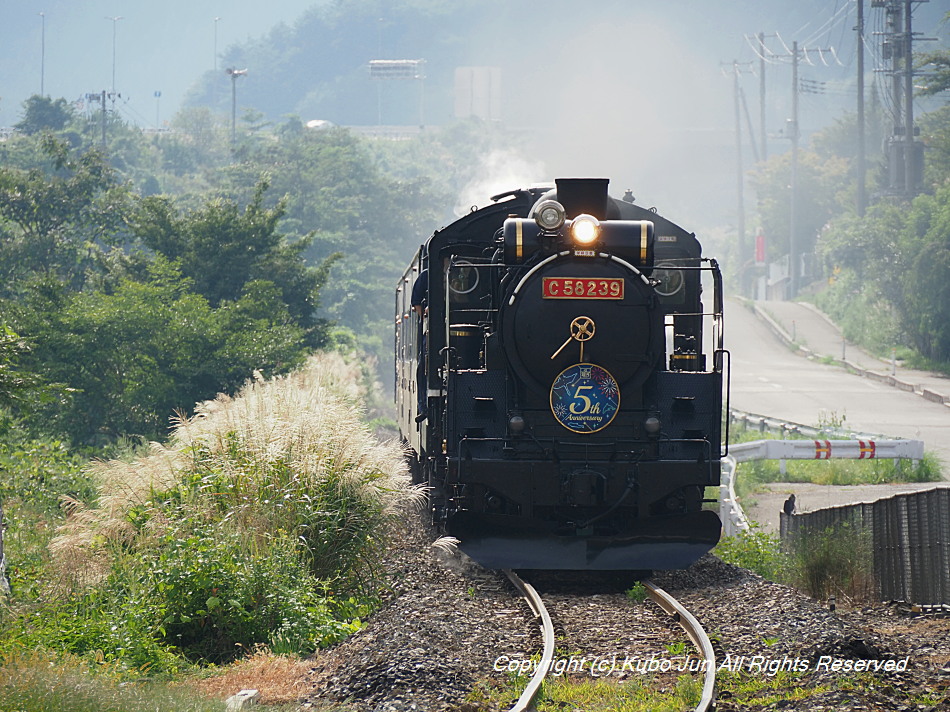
(733, 518)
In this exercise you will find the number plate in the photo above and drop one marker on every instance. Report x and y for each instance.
(582, 288)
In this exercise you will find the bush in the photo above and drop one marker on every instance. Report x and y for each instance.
(215, 598)
(754, 550)
(838, 560)
(262, 522)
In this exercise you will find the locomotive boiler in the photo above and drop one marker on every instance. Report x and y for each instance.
(560, 380)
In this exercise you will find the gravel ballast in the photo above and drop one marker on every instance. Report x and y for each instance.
(451, 626)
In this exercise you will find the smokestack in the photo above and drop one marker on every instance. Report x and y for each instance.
(583, 195)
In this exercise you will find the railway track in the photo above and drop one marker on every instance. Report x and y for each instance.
(663, 599)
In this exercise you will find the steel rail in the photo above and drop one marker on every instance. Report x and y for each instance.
(526, 701)
(696, 633)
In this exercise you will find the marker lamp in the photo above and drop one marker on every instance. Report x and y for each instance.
(549, 215)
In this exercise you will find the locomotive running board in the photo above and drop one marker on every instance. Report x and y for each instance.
(670, 543)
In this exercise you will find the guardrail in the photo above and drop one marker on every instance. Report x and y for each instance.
(734, 521)
(767, 424)
(824, 449)
(864, 447)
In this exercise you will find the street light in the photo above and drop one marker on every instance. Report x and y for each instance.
(43, 56)
(216, 43)
(234, 73)
(115, 21)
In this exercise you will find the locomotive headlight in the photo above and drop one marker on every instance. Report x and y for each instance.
(585, 229)
(549, 215)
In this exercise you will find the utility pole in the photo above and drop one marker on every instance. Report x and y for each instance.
(115, 22)
(910, 154)
(862, 200)
(104, 119)
(793, 133)
(740, 206)
(793, 267)
(904, 153)
(744, 254)
(762, 135)
(43, 55)
(99, 98)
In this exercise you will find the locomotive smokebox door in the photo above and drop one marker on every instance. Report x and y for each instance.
(566, 310)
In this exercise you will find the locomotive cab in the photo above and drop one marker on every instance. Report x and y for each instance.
(573, 394)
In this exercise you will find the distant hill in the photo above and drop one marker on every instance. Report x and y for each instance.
(319, 68)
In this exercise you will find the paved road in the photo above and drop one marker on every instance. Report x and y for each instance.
(770, 379)
(815, 334)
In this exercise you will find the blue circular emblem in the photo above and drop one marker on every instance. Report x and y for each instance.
(585, 398)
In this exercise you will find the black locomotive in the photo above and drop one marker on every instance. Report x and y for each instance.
(560, 382)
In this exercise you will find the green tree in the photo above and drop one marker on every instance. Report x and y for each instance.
(41, 113)
(221, 248)
(59, 222)
(822, 188)
(935, 133)
(18, 387)
(925, 243)
(936, 78)
(133, 356)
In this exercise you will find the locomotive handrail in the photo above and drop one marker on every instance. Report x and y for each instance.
(727, 369)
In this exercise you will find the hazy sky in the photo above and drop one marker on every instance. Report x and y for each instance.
(632, 89)
(166, 45)
(161, 45)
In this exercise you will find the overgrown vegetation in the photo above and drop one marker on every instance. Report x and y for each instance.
(261, 522)
(837, 561)
(757, 551)
(30, 684)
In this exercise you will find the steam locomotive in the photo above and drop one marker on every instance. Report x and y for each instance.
(559, 381)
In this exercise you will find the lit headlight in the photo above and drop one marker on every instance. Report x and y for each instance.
(585, 229)
(549, 215)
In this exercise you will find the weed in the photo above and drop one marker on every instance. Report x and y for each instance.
(838, 560)
(676, 649)
(754, 550)
(594, 695)
(747, 690)
(637, 592)
(33, 683)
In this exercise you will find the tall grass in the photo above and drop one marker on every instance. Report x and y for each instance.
(32, 684)
(837, 561)
(262, 520)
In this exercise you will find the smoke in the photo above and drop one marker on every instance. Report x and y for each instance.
(499, 171)
(623, 91)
